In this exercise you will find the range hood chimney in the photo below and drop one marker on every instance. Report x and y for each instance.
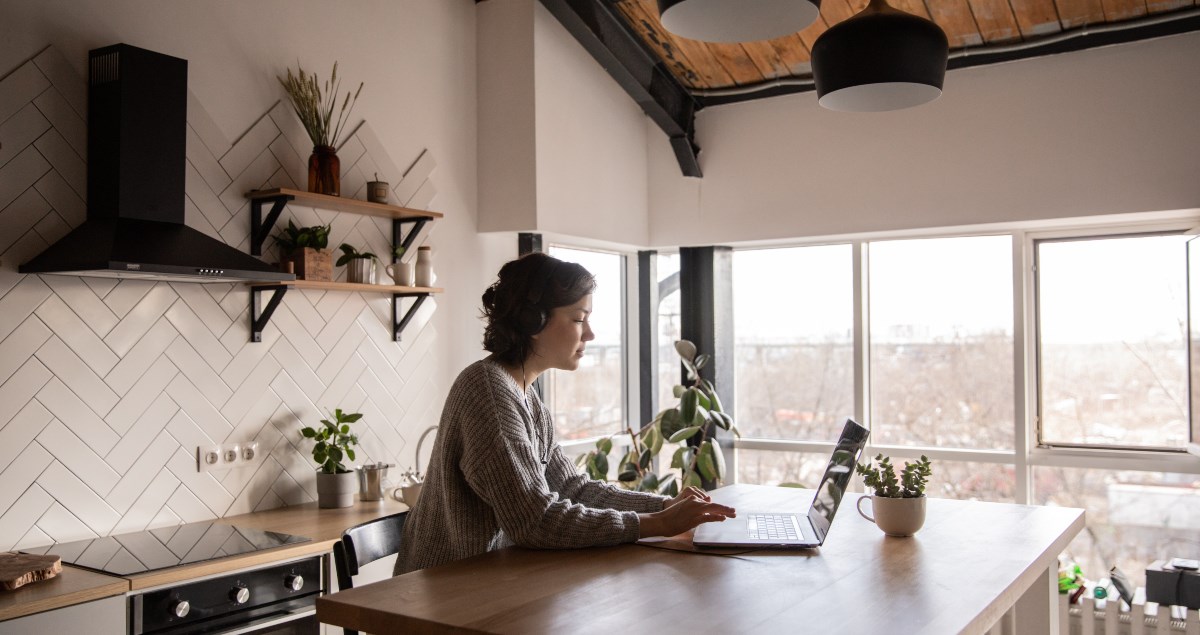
(137, 139)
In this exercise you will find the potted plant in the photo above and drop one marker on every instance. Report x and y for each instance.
(334, 442)
(314, 106)
(691, 422)
(898, 503)
(304, 247)
(360, 265)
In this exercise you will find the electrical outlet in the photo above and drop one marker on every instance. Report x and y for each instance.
(249, 452)
(231, 453)
(208, 457)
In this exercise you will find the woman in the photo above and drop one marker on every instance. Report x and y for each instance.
(497, 476)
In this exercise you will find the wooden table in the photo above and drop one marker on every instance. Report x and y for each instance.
(965, 571)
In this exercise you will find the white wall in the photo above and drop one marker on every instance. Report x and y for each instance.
(106, 388)
(1103, 131)
(578, 132)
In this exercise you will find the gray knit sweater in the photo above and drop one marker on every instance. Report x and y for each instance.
(498, 478)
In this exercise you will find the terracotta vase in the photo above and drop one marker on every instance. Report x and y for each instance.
(325, 171)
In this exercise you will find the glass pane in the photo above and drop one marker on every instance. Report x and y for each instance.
(991, 482)
(669, 369)
(588, 402)
(1112, 318)
(770, 467)
(1133, 518)
(793, 322)
(941, 348)
(1193, 256)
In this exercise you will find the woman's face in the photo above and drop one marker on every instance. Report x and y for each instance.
(560, 345)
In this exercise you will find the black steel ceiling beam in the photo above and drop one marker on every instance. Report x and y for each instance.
(610, 41)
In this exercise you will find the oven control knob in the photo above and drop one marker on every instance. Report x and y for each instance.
(181, 608)
(239, 594)
(294, 582)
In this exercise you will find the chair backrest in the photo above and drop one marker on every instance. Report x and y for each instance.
(366, 543)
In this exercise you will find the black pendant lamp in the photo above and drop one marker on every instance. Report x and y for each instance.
(880, 59)
(737, 20)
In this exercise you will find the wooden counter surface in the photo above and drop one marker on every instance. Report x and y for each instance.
(72, 586)
(323, 526)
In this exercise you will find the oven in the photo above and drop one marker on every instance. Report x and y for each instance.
(277, 599)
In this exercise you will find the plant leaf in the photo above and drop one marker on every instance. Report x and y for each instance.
(308, 432)
(685, 433)
(671, 423)
(686, 349)
(677, 390)
(604, 445)
(627, 476)
(704, 463)
(687, 405)
(350, 453)
(677, 459)
(718, 458)
(692, 479)
(601, 464)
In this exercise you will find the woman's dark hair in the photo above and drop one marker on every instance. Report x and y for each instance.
(517, 306)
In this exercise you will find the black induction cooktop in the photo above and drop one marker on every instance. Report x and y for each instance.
(163, 548)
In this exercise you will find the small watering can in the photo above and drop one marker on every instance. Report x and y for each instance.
(370, 480)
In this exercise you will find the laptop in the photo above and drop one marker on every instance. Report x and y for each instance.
(791, 530)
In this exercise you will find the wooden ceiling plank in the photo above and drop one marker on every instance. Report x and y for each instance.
(651, 31)
(766, 58)
(706, 67)
(1118, 10)
(955, 18)
(996, 21)
(1163, 6)
(795, 53)
(1037, 17)
(915, 7)
(736, 62)
(1078, 13)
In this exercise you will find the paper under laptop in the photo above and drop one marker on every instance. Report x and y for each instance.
(791, 529)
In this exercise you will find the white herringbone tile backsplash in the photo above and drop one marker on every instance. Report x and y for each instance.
(108, 386)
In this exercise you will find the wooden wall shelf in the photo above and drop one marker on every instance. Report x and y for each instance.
(261, 226)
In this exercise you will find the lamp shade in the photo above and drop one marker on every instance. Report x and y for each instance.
(881, 59)
(737, 20)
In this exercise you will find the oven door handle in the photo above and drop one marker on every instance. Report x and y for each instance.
(272, 620)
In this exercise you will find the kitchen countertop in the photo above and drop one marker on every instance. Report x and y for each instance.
(323, 526)
(71, 586)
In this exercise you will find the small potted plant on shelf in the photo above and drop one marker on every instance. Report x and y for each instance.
(691, 423)
(334, 442)
(360, 265)
(898, 503)
(305, 249)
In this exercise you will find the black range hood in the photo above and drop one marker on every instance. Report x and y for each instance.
(137, 140)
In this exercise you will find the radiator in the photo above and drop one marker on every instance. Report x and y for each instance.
(1091, 617)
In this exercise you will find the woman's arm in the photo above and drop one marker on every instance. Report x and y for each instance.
(563, 477)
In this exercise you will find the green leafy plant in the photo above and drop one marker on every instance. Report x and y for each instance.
(350, 253)
(334, 441)
(293, 238)
(398, 251)
(883, 480)
(691, 423)
(314, 105)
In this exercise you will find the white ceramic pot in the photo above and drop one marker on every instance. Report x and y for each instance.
(895, 516)
(361, 270)
(336, 490)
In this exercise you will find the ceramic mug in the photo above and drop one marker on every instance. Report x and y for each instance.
(895, 516)
(409, 494)
(401, 273)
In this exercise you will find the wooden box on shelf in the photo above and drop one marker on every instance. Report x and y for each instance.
(310, 264)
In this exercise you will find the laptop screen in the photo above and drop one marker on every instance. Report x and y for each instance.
(837, 476)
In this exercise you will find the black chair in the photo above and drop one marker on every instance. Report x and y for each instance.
(364, 544)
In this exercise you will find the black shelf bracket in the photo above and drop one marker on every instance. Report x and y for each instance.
(260, 227)
(398, 236)
(399, 323)
(260, 315)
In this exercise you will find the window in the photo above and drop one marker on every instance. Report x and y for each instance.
(589, 401)
(669, 369)
(941, 342)
(1112, 336)
(794, 341)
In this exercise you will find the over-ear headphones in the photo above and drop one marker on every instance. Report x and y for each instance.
(532, 317)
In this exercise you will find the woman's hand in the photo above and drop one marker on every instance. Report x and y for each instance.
(683, 513)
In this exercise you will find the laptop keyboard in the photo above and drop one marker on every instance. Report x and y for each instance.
(772, 527)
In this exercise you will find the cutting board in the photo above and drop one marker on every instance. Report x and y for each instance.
(19, 569)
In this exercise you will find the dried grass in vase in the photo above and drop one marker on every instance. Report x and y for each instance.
(315, 106)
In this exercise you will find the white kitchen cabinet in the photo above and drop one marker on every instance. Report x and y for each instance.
(98, 617)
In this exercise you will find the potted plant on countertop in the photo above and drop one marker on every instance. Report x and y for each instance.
(898, 503)
(334, 442)
(360, 265)
(305, 249)
(691, 422)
